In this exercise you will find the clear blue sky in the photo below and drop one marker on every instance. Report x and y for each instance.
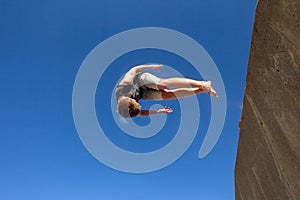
(43, 44)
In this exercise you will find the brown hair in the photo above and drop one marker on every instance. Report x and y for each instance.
(128, 108)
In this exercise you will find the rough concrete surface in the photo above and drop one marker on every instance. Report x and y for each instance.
(268, 158)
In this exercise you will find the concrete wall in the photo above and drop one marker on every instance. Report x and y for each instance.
(268, 158)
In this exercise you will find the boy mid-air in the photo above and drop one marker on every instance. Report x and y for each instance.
(137, 85)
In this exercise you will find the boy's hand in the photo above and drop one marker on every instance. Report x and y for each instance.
(157, 67)
(165, 110)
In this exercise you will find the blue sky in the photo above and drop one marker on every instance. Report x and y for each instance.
(43, 44)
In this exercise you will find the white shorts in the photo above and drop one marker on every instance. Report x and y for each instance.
(149, 82)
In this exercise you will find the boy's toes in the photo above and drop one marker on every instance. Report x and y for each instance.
(213, 93)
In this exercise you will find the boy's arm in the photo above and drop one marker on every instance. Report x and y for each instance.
(144, 113)
(129, 76)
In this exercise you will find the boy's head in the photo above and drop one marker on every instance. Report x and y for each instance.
(128, 107)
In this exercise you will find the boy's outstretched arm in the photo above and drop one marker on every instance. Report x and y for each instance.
(155, 67)
(144, 113)
(129, 76)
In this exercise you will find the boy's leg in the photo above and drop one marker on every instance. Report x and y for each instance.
(150, 81)
(184, 83)
(180, 93)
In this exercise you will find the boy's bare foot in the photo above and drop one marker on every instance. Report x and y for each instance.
(213, 93)
(206, 85)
